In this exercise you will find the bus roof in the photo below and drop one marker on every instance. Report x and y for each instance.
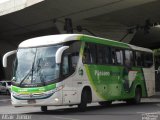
(61, 38)
(49, 40)
(140, 48)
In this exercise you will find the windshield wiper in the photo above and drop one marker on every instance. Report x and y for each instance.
(26, 76)
(31, 70)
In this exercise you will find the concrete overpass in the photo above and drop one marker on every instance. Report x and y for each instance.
(110, 19)
(20, 20)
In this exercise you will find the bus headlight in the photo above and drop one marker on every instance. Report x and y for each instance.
(56, 99)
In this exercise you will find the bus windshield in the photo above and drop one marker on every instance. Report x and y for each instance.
(36, 65)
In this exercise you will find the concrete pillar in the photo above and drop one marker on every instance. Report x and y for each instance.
(60, 27)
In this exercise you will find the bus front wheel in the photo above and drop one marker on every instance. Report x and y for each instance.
(82, 106)
(44, 108)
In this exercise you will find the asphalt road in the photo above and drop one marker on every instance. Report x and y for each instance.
(149, 109)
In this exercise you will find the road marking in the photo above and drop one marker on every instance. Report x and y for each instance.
(63, 118)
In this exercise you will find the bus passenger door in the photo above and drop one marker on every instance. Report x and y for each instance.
(68, 91)
(69, 64)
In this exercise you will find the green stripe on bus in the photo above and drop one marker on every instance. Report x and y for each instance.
(104, 41)
(91, 82)
(109, 81)
(33, 90)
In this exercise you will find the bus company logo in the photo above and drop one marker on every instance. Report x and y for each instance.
(102, 73)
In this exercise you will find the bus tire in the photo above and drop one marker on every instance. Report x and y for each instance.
(84, 99)
(137, 97)
(105, 103)
(43, 108)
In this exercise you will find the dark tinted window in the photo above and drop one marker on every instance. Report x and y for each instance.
(89, 55)
(92, 48)
(107, 55)
(65, 65)
(96, 54)
(103, 54)
(148, 59)
(3, 84)
(138, 59)
(9, 83)
(100, 54)
(144, 59)
(70, 58)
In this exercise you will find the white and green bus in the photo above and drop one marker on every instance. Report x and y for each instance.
(76, 69)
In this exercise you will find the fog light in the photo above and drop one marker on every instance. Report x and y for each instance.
(56, 99)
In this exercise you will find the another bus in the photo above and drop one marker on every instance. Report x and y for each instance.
(77, 69)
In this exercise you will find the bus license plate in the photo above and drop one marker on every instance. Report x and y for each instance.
(31, 101)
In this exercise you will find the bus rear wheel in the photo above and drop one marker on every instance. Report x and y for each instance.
(43, 108)
(137, 97)
(105, 103)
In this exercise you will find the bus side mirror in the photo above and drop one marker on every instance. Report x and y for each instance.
(6, 56)
(59, 53)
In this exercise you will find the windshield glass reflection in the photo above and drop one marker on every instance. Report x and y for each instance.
(36, 65)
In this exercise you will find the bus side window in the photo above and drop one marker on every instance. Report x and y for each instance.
(138, 60)
(148, 59)
(128, 58)
(4, 84)
(74, 61)
(70, 58)
(89, 55)
(93, 54)
(107, 55)
(69, 63)
(117, 56)
(86, 56)
(103, 54)
(100, 54)
(113, 56)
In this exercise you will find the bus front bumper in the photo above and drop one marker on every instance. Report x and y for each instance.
(53, 100)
